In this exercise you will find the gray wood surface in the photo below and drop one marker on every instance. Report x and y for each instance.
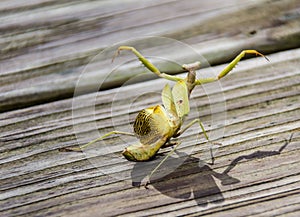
(45, 45)
(252, 112)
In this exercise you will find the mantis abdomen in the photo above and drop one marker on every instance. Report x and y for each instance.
(154, 128)
(143, 152)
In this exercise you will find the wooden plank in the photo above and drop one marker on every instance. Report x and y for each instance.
(250, 176)
(41, 59)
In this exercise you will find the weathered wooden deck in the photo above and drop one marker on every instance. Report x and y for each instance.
(252, 112)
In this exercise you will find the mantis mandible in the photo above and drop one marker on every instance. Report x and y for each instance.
(156, 125)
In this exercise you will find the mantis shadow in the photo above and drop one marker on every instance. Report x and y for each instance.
(194, 179)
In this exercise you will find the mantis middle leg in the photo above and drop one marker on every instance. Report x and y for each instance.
(78, 149)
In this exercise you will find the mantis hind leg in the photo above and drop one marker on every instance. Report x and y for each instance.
(178, 143)
(204, 132)
(78, 149)
(161, 162)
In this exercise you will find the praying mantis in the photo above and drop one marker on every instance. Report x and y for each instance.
(156, 125)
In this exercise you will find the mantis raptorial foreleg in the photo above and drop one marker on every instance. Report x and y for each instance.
(229, 67)
(78, 149)
(147, 63)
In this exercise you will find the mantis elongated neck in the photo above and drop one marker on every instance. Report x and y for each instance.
(191, 76)
(190, 83)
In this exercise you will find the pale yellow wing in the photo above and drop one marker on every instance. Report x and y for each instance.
(181, 99)
(167, 99)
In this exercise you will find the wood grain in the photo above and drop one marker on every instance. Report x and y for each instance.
(41, 59)
(252, 112)
(262, 102)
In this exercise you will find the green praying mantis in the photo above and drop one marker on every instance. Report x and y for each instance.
(156, 125)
